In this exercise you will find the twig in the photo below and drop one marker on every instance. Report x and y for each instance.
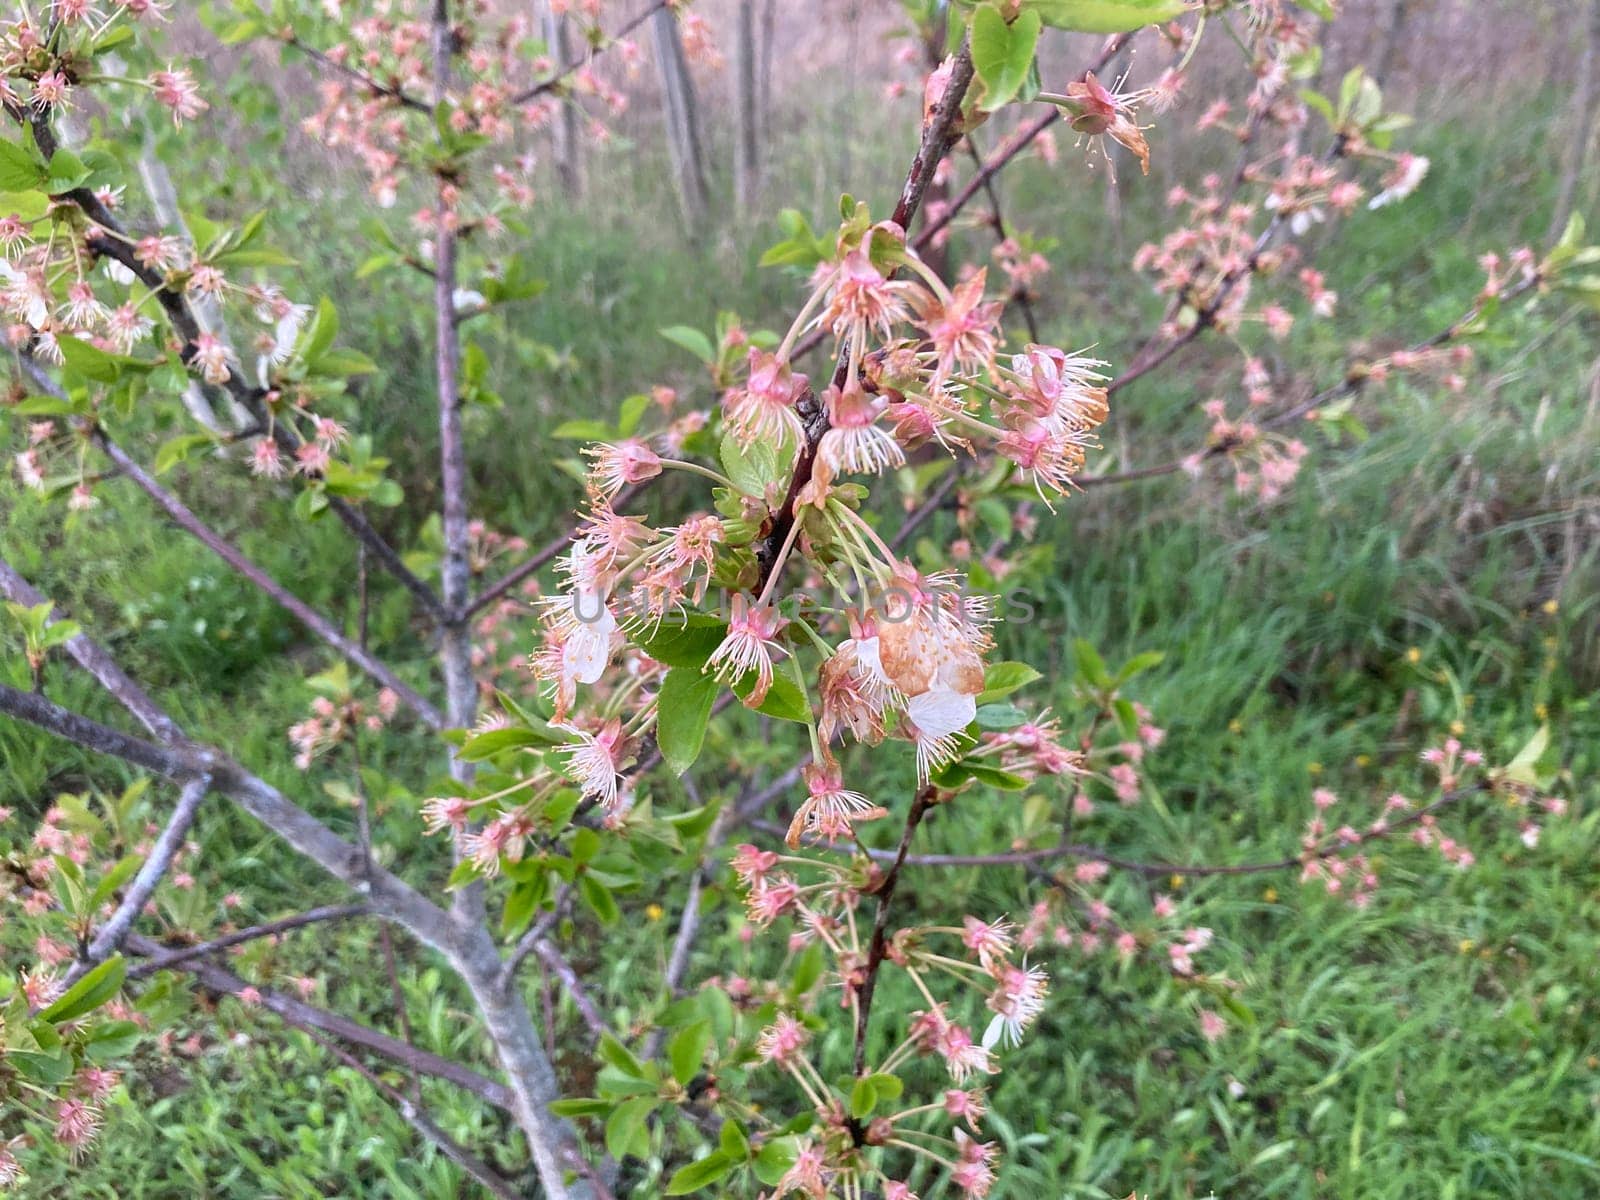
(220, 980)
(564, 971)
(541, 556)
(1001, 234)
(299, 609)
(938, 136)
(880, 927)
(554, 81)
(392, 90)
(1330, 848)
(411, 1111)
(150, 873)
(164, 959)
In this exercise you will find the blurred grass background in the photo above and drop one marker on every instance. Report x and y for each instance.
(1443, 1043)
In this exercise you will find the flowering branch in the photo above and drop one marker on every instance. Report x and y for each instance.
(392, 91)
(1354, 382)
(110, 240)
(566, 69)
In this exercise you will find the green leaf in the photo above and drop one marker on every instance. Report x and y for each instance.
(520, 905)
(45, 406)
(619, 1056)
(599, 899)
(687, 1050)
(733, 1142)
(863, 1098)
(1104, 16)
(631, 413)
(112, 1040)
(625, 1128)
(66, 172)
(784, 699)
(178, 449)
(692, 340)
(753, 468)
(114, 878)
(1003, 678)
(88, 362)
(808, 969)
(1138, 664)
(1524, 767)
(1002, 54)
(89, 993)
(483, 746)
(1000, 716)
(582, 431)
(699, 1174)
(775, 1159)
(684, 709)
(581, 1107)
(18, 170)
(889, 1087)
(1091, 667)
(686, 643)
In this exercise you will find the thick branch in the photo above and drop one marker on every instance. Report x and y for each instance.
(88, 655)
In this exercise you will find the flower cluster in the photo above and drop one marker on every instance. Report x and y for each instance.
(978, 956)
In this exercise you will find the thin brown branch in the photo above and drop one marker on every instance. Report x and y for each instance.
(391, 91)
(167, 959)
(938, 135)
(221, 981)
(554, 81)
(1330, 848)
(413, 1114)
(878, 945)
(314, 621)
(540, 557)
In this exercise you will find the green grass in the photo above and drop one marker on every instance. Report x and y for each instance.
(1443, 1043)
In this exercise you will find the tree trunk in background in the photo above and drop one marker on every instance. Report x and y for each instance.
(569, 165)
(1388, 49)
(769, 26)
(1583, 126)
(683, 118)
(747, 143)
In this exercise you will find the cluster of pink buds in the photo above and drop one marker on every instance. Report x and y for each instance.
(383, 79)
(334, 721)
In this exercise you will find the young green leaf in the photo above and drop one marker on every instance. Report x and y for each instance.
(684, 708)
(1002, 53)
(1105, 16)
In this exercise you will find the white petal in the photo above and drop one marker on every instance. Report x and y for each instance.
(941, 711)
